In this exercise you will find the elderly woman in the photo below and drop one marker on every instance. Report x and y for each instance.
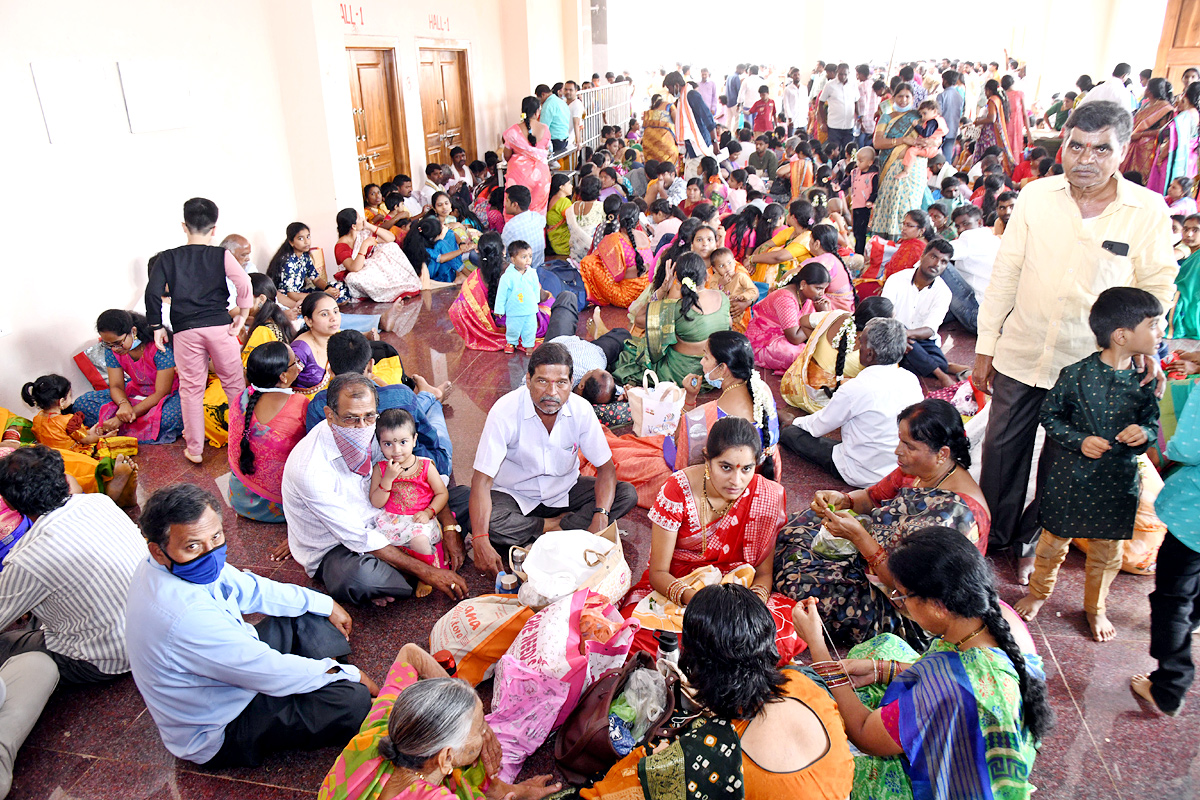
(615, 274)
(526, 149)
(143, 389)
(930, 487)
(767, 732)
(900, 190)
(264, 425)
(959, 722)
(676, 327)
(374, 265)
(425, 738)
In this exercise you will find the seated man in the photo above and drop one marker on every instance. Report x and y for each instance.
(921, 301)
(524, 224)
(326, 495)
(71, 570)
(975, 249)
(222, 692)
(26, 682)
(865, 409)
(527, 477)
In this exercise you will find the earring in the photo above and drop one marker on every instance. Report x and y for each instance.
(706, 472)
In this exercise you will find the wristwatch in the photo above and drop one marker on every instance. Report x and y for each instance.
(600, 510)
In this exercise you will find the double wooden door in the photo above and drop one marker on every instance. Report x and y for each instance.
(446, 104)
(1179, 47)
(378, 119)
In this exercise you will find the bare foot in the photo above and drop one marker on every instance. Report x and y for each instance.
(597, 327)
(441, 391)
(122, 487)
(1029, 606)
(1025, 566)
(423, 589)
(1141, 687)
(553, 523)
(372, 335)
(383, 601)
(944, 380)
(1102, 629)
(282, 552)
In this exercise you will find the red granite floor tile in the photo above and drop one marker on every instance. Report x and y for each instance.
(45, 773)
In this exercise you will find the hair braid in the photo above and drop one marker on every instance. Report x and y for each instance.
(1035, 706)
(246, 457)
(627, 227)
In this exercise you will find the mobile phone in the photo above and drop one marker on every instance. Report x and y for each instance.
(1116, 248)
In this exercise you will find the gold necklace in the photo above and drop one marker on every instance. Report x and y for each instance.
(731, 386)
(949, 472)
(958, 645)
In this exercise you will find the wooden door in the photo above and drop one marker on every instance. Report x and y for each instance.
(446, 104)
(1179, 47)
(378, 126)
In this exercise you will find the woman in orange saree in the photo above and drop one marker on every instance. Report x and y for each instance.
(658, 137)
(471, 312)
(617, 272)
(993, 126)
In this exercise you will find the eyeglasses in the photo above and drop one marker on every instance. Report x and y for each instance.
(113, 345)
(356, 422)
(897, 598)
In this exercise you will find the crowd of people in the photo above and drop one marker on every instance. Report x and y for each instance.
(827, 238)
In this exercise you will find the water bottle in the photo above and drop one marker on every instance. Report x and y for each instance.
(446, 660)
(668, 652)
(506, 583)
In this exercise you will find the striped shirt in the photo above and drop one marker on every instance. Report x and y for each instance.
(72, 570)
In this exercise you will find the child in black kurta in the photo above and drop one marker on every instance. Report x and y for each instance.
(1101, 418)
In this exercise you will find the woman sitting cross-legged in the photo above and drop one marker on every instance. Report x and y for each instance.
(375, 266)
(143, 389)
(780, 323)
(962, 721)
(434, 247)
(425, 738)
(296, 274)
(930, 487)
(615, 274)
(264, 425)
(764, 734)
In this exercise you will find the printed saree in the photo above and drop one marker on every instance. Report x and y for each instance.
(1150, 117)
(995, 133)
(473, 319)
(1175, 156)
(528, 166)
(658, 140)
(809, 383)
(603, 271)
(898, 193)
(665, 326)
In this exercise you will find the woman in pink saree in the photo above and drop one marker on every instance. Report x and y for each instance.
(526, 149)
(1018, 118)
(471, 312)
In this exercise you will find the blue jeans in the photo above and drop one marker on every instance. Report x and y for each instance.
(948, 148)
(964, 307)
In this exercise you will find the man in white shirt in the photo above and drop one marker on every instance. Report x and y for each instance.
(434, 179)
(575, 106)
(326, 484)
(458, 171)
(412, 203)
(1113, 90)
(921, 300)
(795, 102)
(748, 93)
(864, 408)
(838, 100)
(975, 251)
(527, 477)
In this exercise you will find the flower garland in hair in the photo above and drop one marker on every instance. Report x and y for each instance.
(689, 283)
(759, 392)
(849, 332)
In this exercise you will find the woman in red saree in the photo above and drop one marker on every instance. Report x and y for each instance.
(720, 514)
(527, 150)
(471, 312)
(617, 272)
(993, 126)
(1155, 112)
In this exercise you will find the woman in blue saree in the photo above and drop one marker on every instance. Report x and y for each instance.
(900, 191)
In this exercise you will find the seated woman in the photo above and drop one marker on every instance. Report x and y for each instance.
(981, 674)
(557, 211)
(787, 249)
(490, 209)
(143, 389)
(930, 487)
(459, 220)
(676, 327)
(727, 363)
(772, 733)
(265, 423)
(435, 248)
(586, 215)
(471, 312)
(294, 271)
(824, 249)
(321, 320)
(751, 227)
(664, 274)
(694, 196)
(916, 231)
(781, 323)
(425, 738)
(610, 184)
(268, 321)
(707, 214)
(831, 355)
(375, 267)
(616, 273)
(721, 513)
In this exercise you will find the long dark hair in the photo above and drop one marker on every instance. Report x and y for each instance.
(346, 219)
(682, 243)
(270, 311)
(491, 263)
(992, 186)
(941, 564)
(691, 266)
(529, 109)
(993, 87)
(264, 365)
(803, 211)
(420, 240)
(748, 220)
(709, 168)
(275, 267)
(611, 205)
(121, 322)
(827, 236)
(734, 351)
(922, 220)
(627, 218)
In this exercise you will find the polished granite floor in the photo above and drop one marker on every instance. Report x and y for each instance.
(101, 743)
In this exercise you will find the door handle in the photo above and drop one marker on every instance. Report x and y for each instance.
(363, 158)
(358, 137)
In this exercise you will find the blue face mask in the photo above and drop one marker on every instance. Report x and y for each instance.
(202, 570)
(903, 108)
(714, 382)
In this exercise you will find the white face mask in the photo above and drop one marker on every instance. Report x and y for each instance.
(714, 382)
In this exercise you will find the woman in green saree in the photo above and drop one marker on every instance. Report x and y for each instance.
(968, 715)
(900, 190)
(676, 327)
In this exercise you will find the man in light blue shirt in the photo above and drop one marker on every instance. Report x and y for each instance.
(525, 225)
(950, 106)
(223, 692)
(556, 116)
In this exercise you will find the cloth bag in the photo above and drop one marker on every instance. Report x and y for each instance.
(478, 632)
(655, 411)
(561, 562)
(561, 651)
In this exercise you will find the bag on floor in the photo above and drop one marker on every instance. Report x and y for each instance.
(559, 276)
(478, 631)
(656, 410)
(559, 563)
(561, 651)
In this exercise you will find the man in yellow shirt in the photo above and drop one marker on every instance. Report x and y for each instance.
(1070, 237)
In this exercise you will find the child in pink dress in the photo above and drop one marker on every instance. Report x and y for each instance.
(408, 489)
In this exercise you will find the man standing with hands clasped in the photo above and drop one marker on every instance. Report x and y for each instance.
(1070, 237)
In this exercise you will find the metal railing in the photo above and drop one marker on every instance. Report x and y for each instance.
(602, 105)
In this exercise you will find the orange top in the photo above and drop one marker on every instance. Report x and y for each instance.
(830, 776)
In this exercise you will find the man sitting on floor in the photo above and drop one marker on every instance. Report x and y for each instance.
(921, 301)
(527, 477)
(326, 498)
(222, 692)
(71, 569)
(975, 251)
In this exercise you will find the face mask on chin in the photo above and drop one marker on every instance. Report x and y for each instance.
(714, 382)
(903, 108)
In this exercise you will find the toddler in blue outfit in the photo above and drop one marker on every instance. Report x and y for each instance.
(517, 298)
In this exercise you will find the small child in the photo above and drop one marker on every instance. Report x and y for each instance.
(1101, 419)
(763, 111)
(731, 278)
(517, 298)
(408, 489)
(864, 188)
(1179, 198)
(736, 190)
(930, 124)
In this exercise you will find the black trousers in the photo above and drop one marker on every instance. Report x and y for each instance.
(71, 671)
(924, 358)
(1007, 459)
(359, 578)
(564, 321)
(860, 218)
(327, 717)
(1174, 614)
(814, 449)
(509, 527)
